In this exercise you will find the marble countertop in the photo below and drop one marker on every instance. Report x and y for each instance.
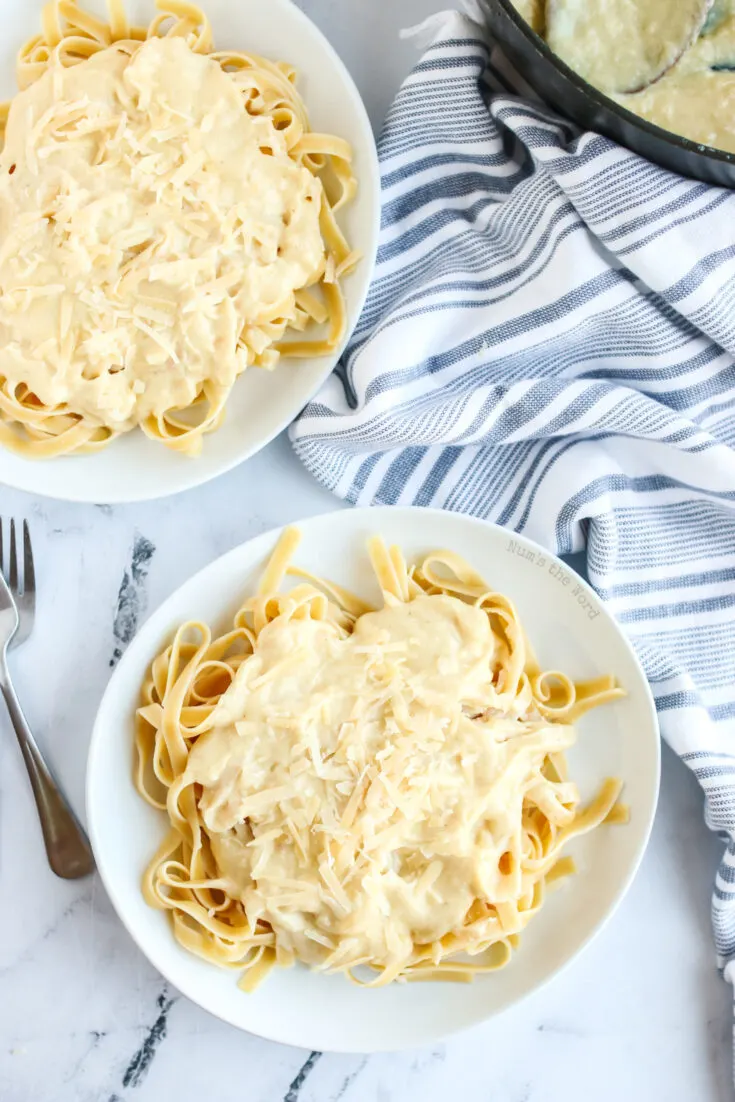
(84, 1018)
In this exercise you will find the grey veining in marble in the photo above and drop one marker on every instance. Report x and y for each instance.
(85, 1018)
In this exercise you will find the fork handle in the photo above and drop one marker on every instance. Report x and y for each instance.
(67, 848)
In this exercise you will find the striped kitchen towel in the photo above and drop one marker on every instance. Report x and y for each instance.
(549, 342)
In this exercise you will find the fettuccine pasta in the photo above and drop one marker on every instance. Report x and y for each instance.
(378, 792)
(168, 220)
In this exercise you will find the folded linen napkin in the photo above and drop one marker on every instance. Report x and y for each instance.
(549, 342)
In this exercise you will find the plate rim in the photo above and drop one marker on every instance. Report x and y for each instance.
(25, 480)
(270, 535)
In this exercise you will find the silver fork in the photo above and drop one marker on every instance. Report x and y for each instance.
(67, 848)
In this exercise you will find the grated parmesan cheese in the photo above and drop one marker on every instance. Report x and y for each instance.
(376, 799)
(128, 173)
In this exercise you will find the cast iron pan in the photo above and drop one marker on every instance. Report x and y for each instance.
(572, 97)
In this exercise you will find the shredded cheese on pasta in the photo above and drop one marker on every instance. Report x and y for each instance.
(164, 212)
(377, 788)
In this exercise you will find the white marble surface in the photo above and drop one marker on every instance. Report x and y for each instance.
(83, 1016)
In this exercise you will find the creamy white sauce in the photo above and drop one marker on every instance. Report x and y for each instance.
(647, 56)
(696, 99)
(699, 105)
(352, 800)
(623, 45)
(146, 221)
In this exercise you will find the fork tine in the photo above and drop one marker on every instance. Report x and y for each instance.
(29, 574)
(13, 568)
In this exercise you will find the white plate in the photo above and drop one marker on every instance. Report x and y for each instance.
(296, 1006)
(135, 468)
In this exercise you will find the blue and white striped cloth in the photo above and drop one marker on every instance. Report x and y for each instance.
(549, 342)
